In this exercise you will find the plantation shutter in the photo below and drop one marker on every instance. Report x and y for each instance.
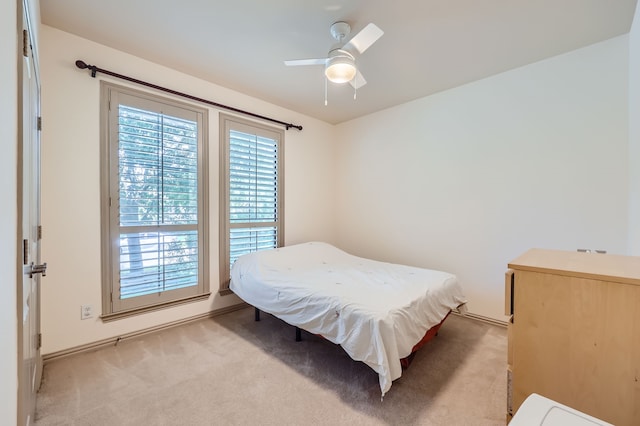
(157, 202)
(254, 194)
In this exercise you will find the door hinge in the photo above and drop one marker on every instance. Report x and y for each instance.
(25, 43)
(39, 123)
(39, 232)
(25, 252)
(39, 340)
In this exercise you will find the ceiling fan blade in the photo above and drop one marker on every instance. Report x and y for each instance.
(358, 81)
(297, 62)
(365, 38)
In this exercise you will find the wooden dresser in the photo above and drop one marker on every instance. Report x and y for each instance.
(574, 332)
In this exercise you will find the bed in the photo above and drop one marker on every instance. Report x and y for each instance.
(378, 312)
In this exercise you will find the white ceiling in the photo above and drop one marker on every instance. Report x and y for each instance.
(428, 45)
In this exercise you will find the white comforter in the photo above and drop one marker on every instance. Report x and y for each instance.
(376, 311)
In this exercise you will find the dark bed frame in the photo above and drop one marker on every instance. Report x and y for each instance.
(298, 331)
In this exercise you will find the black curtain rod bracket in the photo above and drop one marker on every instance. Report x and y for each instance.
(94, 70)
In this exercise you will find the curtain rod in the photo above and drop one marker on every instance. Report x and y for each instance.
(94, 69)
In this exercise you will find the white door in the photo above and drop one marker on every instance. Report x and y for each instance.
(30, 360)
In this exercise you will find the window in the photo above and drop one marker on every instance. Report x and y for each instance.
(251, 190)
(154, 202)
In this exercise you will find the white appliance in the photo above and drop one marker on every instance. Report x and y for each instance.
(537, 410)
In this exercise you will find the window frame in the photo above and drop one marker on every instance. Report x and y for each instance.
(112, 306)
(228, 123)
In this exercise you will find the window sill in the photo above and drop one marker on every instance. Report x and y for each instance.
(145, 309)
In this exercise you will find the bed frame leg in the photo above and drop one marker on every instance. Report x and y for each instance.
(298, 335)
(257, 314)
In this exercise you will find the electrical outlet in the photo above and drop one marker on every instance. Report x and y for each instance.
(86, 312)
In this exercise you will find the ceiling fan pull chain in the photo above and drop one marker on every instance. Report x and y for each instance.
(325, 91)
(355, 91)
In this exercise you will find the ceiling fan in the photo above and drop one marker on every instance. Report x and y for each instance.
(340, 63)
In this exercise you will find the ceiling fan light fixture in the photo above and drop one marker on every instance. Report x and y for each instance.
(341, 67)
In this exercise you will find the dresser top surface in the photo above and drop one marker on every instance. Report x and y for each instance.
(607, 267)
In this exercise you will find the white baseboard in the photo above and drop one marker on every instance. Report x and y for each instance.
(481, 318)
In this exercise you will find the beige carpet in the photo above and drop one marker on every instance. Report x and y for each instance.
(230, 370)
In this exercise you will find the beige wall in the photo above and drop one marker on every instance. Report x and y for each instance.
(8, 212)
(70, 213)
(468, 179)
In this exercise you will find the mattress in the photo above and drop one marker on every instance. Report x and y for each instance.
(376, 311)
